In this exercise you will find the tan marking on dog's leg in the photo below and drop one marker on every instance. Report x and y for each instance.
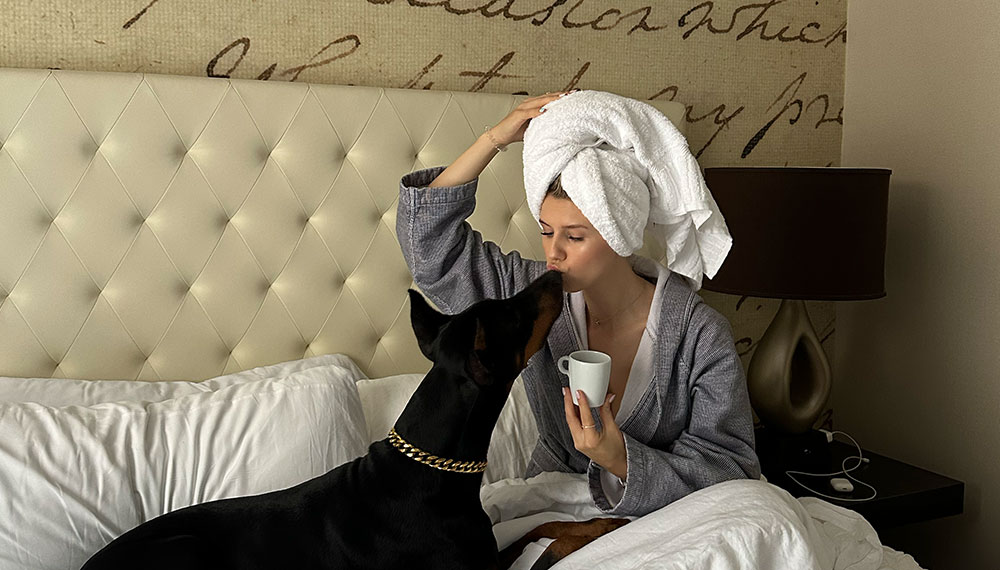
(559, 549)
(560, 530)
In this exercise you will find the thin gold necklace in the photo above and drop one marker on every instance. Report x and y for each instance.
(598, 322)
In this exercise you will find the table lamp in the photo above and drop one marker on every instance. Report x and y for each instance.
(798, 234)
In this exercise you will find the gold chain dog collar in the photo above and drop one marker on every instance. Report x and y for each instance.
(434, 461)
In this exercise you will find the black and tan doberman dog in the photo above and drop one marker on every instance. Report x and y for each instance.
(412, 501)
(568, 537)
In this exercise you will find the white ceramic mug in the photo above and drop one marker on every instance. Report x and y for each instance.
(588, 370)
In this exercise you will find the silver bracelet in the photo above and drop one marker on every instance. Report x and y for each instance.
(496, 145)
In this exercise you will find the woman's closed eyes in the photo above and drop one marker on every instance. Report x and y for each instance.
(570, 238)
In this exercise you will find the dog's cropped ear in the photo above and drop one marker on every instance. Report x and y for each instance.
(426, 322)
(478, 363)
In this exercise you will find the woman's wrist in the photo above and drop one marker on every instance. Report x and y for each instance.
(488, 140)
(619, 469)
(469, 165)
(493, 140)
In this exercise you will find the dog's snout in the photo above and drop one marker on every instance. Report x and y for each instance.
(553, 278)
(553, 292)
(548, 287)
(547, 298)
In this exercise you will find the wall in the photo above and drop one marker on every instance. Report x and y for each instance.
(763, 80)
(749, 70)
(917, 373)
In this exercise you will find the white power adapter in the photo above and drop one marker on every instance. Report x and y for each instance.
(841, 481)
(841, 485)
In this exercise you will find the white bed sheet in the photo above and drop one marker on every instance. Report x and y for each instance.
(741, 524)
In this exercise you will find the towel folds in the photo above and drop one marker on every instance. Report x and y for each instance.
(628, 170)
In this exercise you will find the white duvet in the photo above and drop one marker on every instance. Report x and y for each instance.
(742, 524)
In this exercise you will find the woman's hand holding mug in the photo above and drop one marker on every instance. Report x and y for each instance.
(589, 372)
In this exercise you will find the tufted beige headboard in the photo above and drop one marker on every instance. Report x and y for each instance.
(161, 227)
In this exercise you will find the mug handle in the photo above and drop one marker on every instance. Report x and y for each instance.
(564, 365)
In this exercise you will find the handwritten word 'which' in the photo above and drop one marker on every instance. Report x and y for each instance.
(808, 34)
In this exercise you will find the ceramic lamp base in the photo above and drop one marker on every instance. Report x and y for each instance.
(789, 374)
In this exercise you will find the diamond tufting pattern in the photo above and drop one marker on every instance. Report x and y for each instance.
(160, 227)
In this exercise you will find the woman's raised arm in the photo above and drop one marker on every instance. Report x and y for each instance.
(510, 129)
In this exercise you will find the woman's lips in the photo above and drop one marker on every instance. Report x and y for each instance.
(553, 268)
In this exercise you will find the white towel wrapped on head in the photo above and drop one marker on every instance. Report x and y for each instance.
(627, 169)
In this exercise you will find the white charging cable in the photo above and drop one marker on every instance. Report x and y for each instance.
(860, 458)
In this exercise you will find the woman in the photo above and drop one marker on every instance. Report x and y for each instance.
(677, 417)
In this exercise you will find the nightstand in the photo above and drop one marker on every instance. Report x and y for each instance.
(906, 493)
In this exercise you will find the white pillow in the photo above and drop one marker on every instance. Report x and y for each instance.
(383, 399)
(73, 478)
(513, 439)
(68, 392)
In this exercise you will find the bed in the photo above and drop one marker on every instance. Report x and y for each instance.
(202, 296)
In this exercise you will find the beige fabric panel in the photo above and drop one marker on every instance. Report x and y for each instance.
(167, 227)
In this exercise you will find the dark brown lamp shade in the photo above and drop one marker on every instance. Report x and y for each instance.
(802, 233)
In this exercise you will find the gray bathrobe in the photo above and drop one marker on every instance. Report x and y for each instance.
(691, 428)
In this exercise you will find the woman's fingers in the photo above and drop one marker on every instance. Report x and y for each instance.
(512, 127)
(535, 104)
(586, 417)
(572, 420)
(606, 446)
(540, 100)
(607, 418)
(530, 108)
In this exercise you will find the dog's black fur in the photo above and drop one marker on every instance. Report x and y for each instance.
(383, 510)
